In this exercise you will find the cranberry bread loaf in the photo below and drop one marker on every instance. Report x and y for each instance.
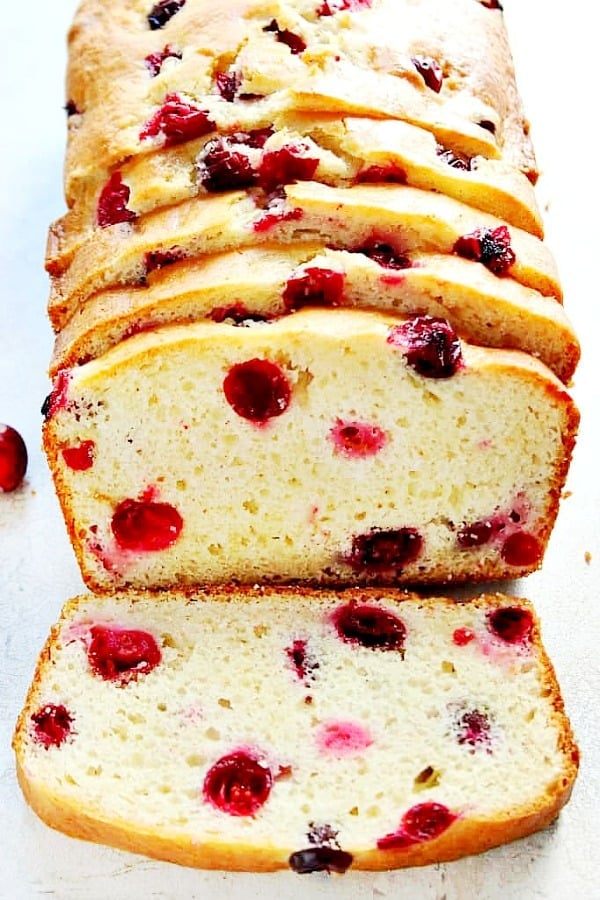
(415, 730)
(334, 446)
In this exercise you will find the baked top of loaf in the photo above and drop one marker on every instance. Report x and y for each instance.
(335, 445)
(261, 729)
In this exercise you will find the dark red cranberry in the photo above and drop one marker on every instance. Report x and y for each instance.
(331, 7)
(476, 534)
(154, 61)
(228, 84)
(237, 313)
(487, 126)
(385, 550)
(463, 636)
(490, 246)
(371, 626)
(158, 259)
(52, 725)
(145, 526)
(238, 784)
(453, 159)
(302, 659)
(162, 12)
(71, 109)
(430, 71)
(420, 823)
(391, 174)
(314, 287)
(121, 654)
(473, 728)
(430, 344)
(384, 255)
(112, 202)
(177, 120)
(510, 623)
(522, 549)
(79, 457)
(13, 459)
(257, 390)
(57, 398)
(357, 439)
(284, 36)
(289, 163)
(222, 168)
(320, 859)
(491, 4)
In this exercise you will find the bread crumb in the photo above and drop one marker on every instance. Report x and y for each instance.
(588, 557)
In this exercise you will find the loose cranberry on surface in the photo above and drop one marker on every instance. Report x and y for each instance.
(221, 167)
(79, 457)
(112, 203)
(511, 624)
(430, 71)
(320, 859)
(342, 738)
(490, 246)
(163, 12)
(238, 784)
(379, 551)
(257, 390)
(384, 255)
(121, 654)
(13, 459)
(314, 286)
(154, 61)
(145, 525)
(420, 823)
(52, 725)
(284, 36)
(290, 163)
(430, 344)
(522, 549)
(177, 120)
(370, 626)
(356, 440)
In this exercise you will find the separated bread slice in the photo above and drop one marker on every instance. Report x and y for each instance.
(263, 729)
(335, 446)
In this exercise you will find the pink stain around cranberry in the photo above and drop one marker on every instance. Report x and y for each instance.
(357, 440)
(238, 784)
(342, 738)
(314, 286)
(473, 729)
(430, 346)
(52, 725)
(257, 390)
(122, 654)
(145, 525)
(370, 626)
(13, 459)
(512, 624)
(112, 203)
(177, 120)
(420, 823)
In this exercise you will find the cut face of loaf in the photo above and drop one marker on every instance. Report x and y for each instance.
(334, 446)
(260, 730)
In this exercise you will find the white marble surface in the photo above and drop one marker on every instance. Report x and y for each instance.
(556, 53)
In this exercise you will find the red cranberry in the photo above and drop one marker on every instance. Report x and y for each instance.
(121, 654)
(331, 7)
(112, 202)
(511, 623)
(463, 636)
(420, 823)
(257, 390)
(320, 859)
(52, 724)
(490, 246)
(145, 525)
(284, 36)
(453, 159)
(178, 121)
(238, 784)
(430, 70)
(158, 259)
(314, 287)
(221, 168)
(79, 457)
(384, 255)
(382, 175)
(357, 439)
(13, 459)
(383, 550)
(275, 212)
(154, 61)
(492, 4)
(289, 163)
(162, 12)
(473, 728)
(302, 659)
(228, 84)
(522, 549)
(476, 534)
(430, 346)
(378, 629)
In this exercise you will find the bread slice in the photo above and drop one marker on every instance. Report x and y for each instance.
(259, 729)
(336, 445)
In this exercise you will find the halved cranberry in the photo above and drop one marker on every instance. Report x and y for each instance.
(162, 12)
(284, 36)
(430, 344)
(52, 724)
(112, 202)
(357, 439)
(257, 390)
(385, 550)
(370, 626)
(331, 7)
(476, 534)
(228, 84)
(320, 859)
(238, 784)
(511, 623)
(79, 457)
(302, 659)
(177, 120)
(522, 549)
(154, 61)
(314, 286)
(420, 823)
(490, 246)
(145, 525)
(13, 459)
(221, 168)
(473, 728)
(384, 255)
(430, 71)
(121, 654)
(454, 159)
(289, 163)
(463, 636)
